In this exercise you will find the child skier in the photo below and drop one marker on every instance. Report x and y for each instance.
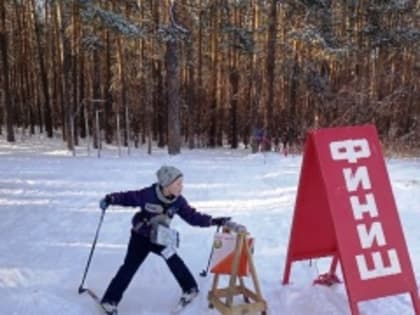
(158, 204)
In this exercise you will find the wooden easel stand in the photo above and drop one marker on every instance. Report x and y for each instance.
(253, 301)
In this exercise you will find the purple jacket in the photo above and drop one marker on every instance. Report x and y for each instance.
(153, 205)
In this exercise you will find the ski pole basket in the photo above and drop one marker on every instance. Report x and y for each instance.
(239, 264)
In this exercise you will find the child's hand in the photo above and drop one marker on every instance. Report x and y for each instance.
(219, 221)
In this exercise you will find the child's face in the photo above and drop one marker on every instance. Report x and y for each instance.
(176, 187)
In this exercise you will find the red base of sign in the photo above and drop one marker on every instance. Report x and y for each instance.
(327, 279)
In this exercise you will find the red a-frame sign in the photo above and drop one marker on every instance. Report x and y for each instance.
(345, 208)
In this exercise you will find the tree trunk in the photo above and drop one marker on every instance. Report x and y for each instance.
(270, 67)
(57, 90)
(201, 99)
(173, 85)
(44, 76)
(234, 82)
(108, 113)
(192, 100)
(96, 92)
(76, 71)
(174, 123)
(215, 80)
(68, 105)
(160, 114)
(22, 115)
(234, 77)
(9, 111)
(84, 132)
(254, 88)
(124, 104)
(159, 105)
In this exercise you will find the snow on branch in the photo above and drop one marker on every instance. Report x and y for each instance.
(171, 34)
(173, 21)
(92, 42)
(242, 39)
(312, 36)
(112, 20)
(174, 31)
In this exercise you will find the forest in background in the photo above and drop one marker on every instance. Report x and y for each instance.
(207, 73)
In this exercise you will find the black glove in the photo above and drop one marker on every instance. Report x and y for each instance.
(219, 221)
(105, 202)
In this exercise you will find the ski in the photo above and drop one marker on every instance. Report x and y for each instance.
(182, 305)
(98, 301)
(177, 309)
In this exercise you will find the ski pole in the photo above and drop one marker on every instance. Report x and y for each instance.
(81, 289)
(205, 271)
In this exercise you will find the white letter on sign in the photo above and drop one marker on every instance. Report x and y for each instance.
(379, 269)
(361, 176)
(350, 150)
(368, 237)
(359, 209)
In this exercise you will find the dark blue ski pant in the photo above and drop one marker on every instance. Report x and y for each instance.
(138, 249)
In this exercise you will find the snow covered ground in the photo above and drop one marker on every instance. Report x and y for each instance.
(49, 214)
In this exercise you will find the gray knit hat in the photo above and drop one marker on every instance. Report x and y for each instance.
(166, 175)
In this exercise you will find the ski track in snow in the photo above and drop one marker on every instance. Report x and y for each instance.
(49, 214)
